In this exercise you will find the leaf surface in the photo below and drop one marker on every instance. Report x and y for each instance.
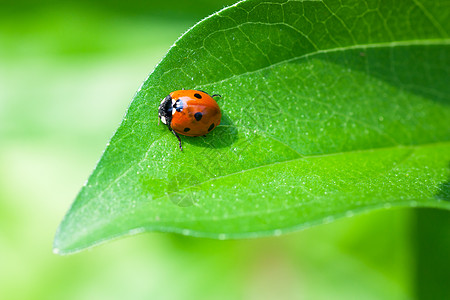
(330, 108)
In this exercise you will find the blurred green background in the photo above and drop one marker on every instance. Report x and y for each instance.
(68, 71)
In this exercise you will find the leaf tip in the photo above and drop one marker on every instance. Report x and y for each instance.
(60, 247)
(56, 244)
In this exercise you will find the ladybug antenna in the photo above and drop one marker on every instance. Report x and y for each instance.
(216, 95)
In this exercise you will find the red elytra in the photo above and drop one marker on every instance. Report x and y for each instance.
(190, 112)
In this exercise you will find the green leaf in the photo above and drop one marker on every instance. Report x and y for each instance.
(330, 108)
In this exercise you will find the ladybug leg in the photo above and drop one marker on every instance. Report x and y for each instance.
(178, 137)
(216, 95)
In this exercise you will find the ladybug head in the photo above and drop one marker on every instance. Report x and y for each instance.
(165, 110)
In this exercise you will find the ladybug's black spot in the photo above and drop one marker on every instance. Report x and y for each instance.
(198, 116)
(198, 96)
(186, 129)
(211, 127)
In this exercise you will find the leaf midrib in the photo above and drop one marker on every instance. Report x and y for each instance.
(422, 42)
(412, 147)
(248, 234)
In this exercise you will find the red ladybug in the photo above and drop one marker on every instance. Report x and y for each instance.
(190, 112)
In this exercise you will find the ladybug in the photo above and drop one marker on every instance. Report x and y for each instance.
(190, 112)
